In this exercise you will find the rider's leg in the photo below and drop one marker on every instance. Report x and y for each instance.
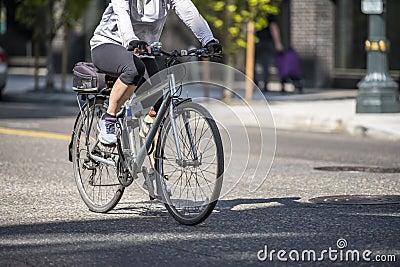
(126, 85)
(116, 60)
(119, 94)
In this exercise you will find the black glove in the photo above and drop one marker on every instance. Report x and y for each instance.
(214, 47)
(141, 45)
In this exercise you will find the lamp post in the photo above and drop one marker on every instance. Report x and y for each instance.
(378, 93)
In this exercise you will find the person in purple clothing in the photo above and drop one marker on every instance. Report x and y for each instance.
(133, 25)
(269, 43)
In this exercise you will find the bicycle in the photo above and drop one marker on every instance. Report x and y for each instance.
(188, 153)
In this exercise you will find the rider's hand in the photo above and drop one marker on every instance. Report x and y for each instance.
(214, 47)
(138, 46)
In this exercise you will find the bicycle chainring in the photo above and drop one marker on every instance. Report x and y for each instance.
(124, 176)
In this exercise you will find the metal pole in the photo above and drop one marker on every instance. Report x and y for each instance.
(378, 93)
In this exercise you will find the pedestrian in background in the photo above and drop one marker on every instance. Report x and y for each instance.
(269, 43)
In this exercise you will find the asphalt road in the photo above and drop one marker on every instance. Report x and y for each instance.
(44, 222)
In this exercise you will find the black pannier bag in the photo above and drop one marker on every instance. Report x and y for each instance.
(86, 78)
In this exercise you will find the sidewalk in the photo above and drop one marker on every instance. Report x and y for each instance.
(314, 110)
(335, 115)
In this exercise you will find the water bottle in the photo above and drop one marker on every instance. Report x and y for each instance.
(128, 113)
(147, 122)
(131, 111)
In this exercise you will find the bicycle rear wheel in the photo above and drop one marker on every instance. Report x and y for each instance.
(97, 182)
(190, 186)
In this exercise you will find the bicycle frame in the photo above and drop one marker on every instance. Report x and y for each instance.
(167, 107)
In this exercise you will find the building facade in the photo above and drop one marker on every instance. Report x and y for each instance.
(329, 37)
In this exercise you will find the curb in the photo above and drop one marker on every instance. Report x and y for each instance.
(344, 120)
(329, 125)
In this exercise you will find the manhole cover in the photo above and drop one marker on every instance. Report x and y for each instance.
(358, 169)
(357, 200)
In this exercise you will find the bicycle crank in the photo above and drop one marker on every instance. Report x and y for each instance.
(125, 177)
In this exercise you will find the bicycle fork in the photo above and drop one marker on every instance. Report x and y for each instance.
(172, 86)
(185, 117)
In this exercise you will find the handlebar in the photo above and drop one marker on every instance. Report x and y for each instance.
(203, 52)
(156, 50)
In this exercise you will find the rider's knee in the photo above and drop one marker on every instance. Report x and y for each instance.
(140, 67)
(134, 73)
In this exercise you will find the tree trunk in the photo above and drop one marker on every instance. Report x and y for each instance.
(64, 59)
(250, 61)
(36, 44)
(49, 49)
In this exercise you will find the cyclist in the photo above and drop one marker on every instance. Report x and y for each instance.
(133, 25)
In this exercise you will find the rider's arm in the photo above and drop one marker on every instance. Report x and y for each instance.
(189, 14)
(121, 10)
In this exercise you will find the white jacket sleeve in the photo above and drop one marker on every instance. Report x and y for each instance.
(121, 10)
(189, 14)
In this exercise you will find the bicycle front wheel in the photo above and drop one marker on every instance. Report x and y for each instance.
(190, 185)
(97, 182)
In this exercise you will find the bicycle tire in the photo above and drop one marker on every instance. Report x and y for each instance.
(163, 160)
(100, 193)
